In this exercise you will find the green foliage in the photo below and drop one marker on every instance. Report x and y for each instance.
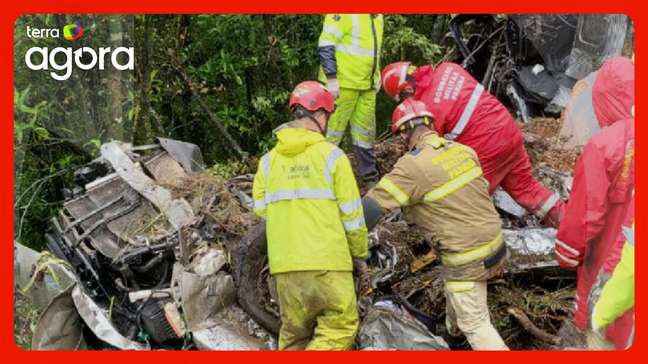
(30, 116)
(411, 38)
(59, 124)
(242, 66)
(230, 168)
(404, 42)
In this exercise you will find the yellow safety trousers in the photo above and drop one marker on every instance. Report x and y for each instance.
(318, 310)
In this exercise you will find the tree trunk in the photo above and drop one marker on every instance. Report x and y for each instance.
(438, 29)
(114, 124)
(142, 117)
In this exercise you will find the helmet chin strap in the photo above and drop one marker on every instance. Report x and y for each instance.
(312, 118)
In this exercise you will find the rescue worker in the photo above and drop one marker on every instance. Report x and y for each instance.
(440, 185)
(464, 111)
(349, 51)
(305, 190)
(590, 238)
(617, 296)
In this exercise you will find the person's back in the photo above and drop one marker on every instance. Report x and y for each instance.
(299, 191)
(455, 97)
(439, 184)
(464, 111)
(454, 205)
(305, 190)
(589, 237)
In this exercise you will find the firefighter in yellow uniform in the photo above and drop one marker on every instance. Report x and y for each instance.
(305, 190)
(439, 184)
(349, 51)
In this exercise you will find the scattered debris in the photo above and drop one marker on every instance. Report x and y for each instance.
(147, 246)
(402, 261)
(389, 325)
(531, 328)
(388, 152)
(195, 276)
(546, 147)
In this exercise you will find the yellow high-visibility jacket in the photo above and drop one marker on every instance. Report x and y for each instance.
(617, 295)
(307, 193)
(349, 49)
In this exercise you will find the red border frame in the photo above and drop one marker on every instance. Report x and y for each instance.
(12, 10)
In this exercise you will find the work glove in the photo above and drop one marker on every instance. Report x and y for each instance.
(333, 86)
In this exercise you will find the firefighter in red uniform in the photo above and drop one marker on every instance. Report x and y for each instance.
(590, 236)
(470, 115)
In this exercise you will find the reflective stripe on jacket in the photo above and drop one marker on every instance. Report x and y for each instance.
(306, 191)
(466, 112)
(349, 49)
(441, 187)
(601, 200)
(617, 295)
(589, 237)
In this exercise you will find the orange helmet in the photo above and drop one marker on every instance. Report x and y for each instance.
(402, 118)
(394, 78)
(312, 96)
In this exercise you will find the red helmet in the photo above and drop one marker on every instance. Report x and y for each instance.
(394, 78)
(312, 96)
(406, 111)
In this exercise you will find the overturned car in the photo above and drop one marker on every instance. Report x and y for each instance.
(141, 257)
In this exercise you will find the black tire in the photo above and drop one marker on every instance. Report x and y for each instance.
(248, 260)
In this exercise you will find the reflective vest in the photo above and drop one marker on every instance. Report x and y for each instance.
(357, 39)
(441, 187)
(617, 295)
(307, 193)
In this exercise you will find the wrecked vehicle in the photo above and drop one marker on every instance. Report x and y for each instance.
(152, 252)
(141, 245)
(532, 61)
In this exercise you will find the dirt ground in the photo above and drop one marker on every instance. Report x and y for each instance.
(545, 147)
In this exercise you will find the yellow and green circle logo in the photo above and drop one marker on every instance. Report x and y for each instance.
(72, 31)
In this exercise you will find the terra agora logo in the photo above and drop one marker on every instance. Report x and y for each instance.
(61, 61)
(72, 31)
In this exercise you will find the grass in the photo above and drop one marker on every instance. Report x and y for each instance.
(25, 318)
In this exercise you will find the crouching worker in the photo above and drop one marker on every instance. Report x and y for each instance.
(305, 190)
(439, 184)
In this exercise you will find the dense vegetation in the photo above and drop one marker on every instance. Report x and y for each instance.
(241, 66)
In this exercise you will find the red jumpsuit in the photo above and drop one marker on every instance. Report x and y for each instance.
(590, 237)
(464, 111)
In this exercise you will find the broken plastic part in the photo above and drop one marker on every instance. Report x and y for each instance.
(187, 154)
(98, 321)
(389, 326)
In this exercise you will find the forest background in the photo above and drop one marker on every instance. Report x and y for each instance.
(191, 72)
